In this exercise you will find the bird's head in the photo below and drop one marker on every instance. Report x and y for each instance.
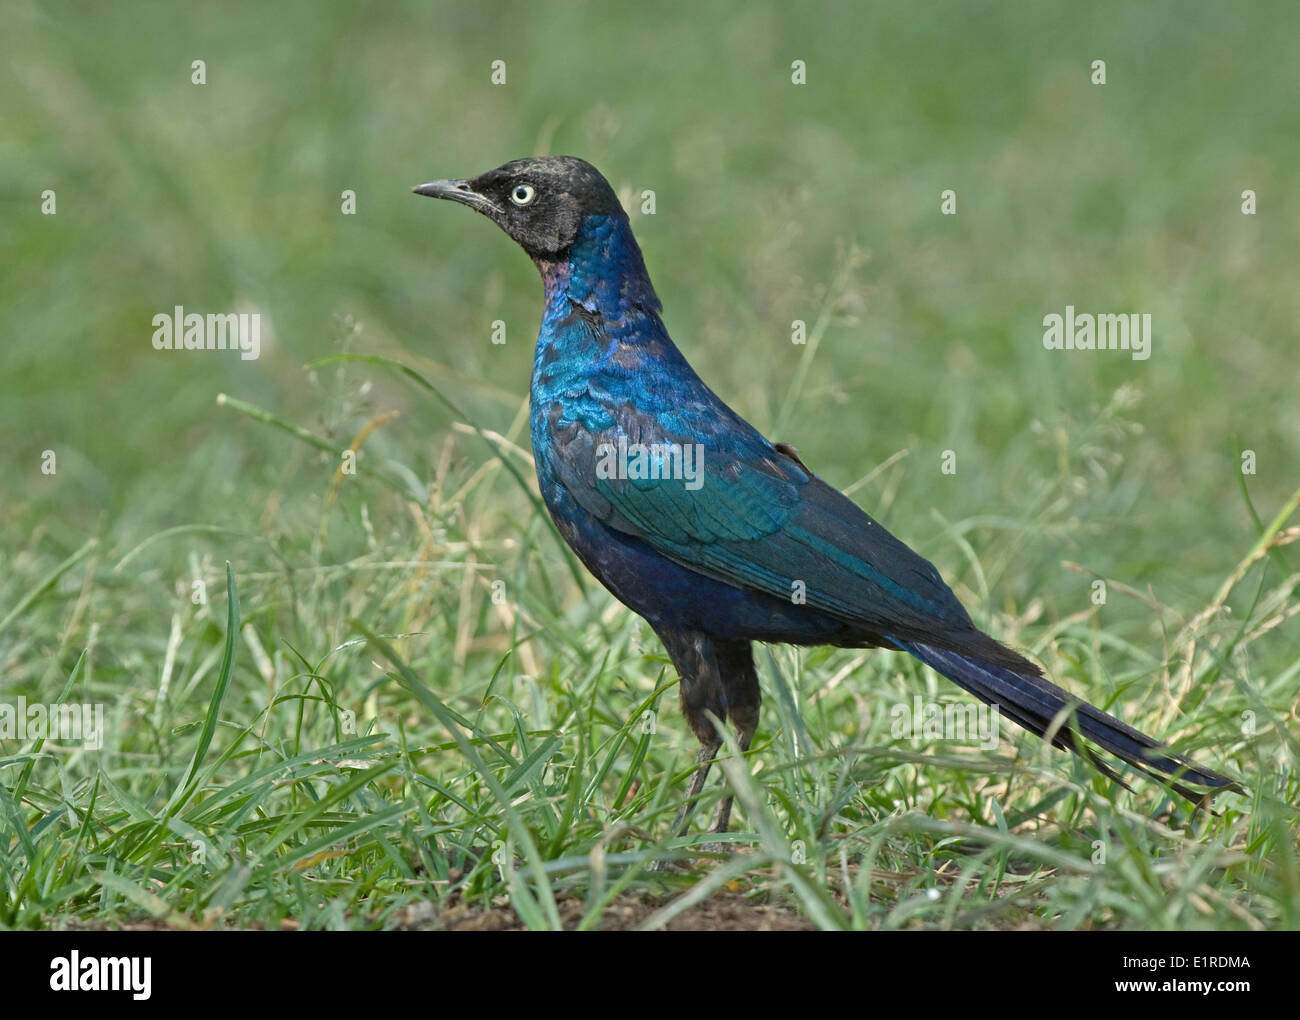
(540, 202)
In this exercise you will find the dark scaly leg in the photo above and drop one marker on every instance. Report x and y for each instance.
(703, 762)
(743, 700)
(717, 681)
(702, 694)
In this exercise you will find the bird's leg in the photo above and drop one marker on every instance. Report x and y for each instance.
(743, 700)
(718, 682)
(703, 761)
(722, 816)
(699, 658)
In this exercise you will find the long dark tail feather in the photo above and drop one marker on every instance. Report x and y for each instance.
(1034, 702)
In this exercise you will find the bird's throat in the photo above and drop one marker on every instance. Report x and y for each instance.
(603, 271)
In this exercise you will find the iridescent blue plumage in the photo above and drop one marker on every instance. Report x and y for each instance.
(753, 546)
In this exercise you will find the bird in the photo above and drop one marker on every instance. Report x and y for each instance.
(715, 535)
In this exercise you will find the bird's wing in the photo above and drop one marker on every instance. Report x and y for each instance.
(753, 516)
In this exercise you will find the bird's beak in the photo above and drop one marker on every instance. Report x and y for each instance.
(456, 191)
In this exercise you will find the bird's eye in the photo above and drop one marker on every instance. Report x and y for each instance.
(523, 194)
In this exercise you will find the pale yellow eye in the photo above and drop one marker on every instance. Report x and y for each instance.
(522, 194)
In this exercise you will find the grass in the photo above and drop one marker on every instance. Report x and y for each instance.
(392, 698)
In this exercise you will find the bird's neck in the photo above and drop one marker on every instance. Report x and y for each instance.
(601, 319)
(603, 272)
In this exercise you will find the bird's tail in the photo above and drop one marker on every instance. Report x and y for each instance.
(1035, 703)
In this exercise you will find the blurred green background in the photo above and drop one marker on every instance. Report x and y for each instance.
(1123, 197)
(774, 202)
